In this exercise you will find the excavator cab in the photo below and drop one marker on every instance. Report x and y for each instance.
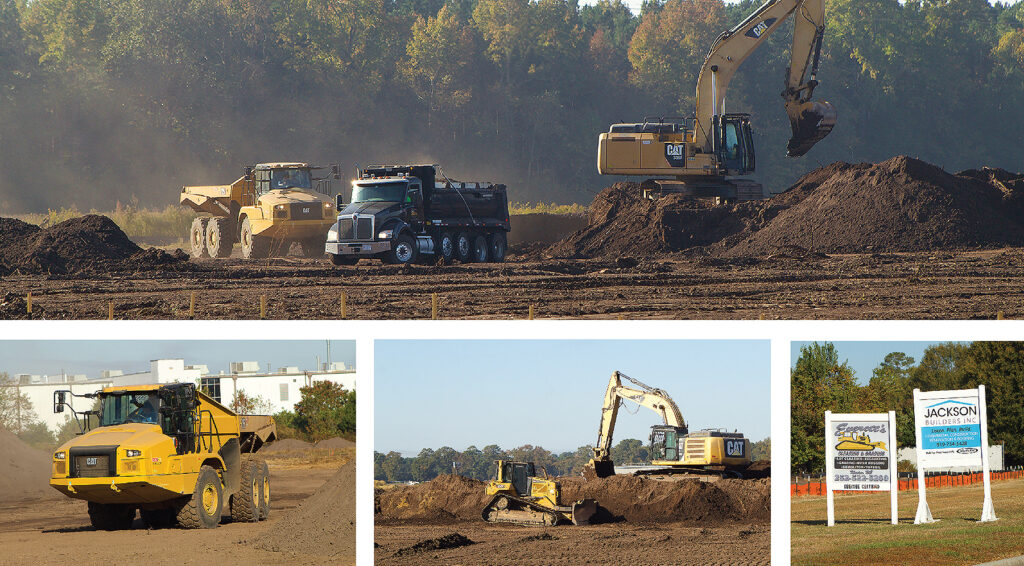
(735, 143)
(665, 442)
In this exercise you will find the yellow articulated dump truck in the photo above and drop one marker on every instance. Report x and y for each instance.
(168, 451)
(268, 208)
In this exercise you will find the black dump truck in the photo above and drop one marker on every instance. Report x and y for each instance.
(404, 214)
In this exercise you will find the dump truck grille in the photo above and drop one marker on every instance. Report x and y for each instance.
(307, 211)
(97, 466)
(345, 228)
(364, 228)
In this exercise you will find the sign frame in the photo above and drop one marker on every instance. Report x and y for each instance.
(830, 455)
(928, 399)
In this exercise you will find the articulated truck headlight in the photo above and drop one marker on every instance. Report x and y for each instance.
(60, 455)
(133, 453)
(328, 206)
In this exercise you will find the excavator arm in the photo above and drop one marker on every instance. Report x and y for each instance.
(655, 399)
(810, 121)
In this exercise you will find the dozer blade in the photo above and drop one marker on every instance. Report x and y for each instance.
(811, 121)
(598, 469)
(583, 511)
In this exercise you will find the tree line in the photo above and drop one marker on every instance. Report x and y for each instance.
(125, 101)
(820, 382)
(478, 463)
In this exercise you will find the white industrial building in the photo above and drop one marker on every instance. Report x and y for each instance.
(280, 389)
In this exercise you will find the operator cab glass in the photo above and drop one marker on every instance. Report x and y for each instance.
(376, 191)
(129, 407)
(290, 179)
(737, 145)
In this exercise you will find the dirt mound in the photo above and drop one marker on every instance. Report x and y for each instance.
(629, 498)
(288, 445)
(87, 243)
(647, 500)
(324, 524)
(24, 471)
(335, 443)
(902, 204)
(445, 497)
(453, 540)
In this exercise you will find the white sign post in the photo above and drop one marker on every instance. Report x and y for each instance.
(952, 430)
(860, 455)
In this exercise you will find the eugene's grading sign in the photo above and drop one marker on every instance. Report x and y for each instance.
(950, 428)
(861, 453)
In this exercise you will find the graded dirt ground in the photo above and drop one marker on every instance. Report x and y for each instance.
(863, 534)
(646, 521)
(909, 285)
(57, 530)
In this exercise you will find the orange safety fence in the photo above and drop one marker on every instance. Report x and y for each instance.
(816, 486)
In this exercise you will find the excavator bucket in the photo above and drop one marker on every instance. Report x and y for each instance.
(598, 469)
(583, 511)
(811, 121)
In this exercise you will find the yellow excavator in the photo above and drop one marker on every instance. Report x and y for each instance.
(699, 160)
(673, 448)
(520, 497)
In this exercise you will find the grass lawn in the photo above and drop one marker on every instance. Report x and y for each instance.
(863, 535)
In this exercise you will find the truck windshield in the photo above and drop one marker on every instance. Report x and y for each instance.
(379, 192)
(129, 407)
(289, 179)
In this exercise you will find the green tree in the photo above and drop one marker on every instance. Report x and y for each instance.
(889, 390)
(819, 383)
(245, 404)
(326, 410)
(440, 49)
(999, 366)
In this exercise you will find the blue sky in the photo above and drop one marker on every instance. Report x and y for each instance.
(430, 394)
(92, 356)
(864, 357)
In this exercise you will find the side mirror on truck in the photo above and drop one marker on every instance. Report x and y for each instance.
(339, 202)
(59, 399)
(336, 171)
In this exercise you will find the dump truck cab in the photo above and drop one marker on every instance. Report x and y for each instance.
(268, 208)
(167, 450)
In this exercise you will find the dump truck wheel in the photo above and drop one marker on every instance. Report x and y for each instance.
(203, 509)
(403, 250)
(446, 247)
(480, 250)
(253, 246)
(111, 516)
(158, 518)
(197, 237)
(313, 247)
(464, 247)
(245, 504)
(265, 492)
(498, 247)
(218, 237)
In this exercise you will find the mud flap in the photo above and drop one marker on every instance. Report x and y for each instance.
(583, 511)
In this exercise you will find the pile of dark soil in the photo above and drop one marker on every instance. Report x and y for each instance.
(24, 471)
(629, 498)
(286, 446)
(902, 204)
(453, 540)
(445, 497)
(86, 243)
(648, 500)
(323, 524)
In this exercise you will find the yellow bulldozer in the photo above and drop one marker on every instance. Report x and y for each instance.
(268, 208)
(520, 497)
(168, 451)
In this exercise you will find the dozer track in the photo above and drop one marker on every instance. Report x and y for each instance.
(504, 508)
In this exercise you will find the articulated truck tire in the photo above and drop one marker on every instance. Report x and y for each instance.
(203, 510)
(197, 237)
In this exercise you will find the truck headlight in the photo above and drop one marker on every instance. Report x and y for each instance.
(385, 234)
(60, 455)
(332, 234)
(133, 453)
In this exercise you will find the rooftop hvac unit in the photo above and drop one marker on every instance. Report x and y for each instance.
(245, 367)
